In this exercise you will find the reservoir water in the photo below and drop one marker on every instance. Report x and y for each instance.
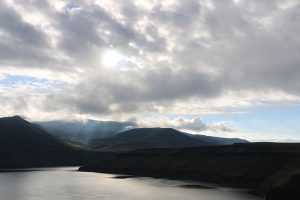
(69, 184)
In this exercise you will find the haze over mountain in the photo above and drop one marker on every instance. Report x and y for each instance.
(84, 131)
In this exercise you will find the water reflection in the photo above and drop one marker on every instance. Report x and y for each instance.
(67, 184)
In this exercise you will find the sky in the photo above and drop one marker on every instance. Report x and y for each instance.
(225, 68)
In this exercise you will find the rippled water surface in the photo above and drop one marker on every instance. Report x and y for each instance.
(68, 184)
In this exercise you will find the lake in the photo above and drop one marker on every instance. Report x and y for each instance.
(69, 184)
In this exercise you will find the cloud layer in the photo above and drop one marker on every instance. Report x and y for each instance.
(125, 59)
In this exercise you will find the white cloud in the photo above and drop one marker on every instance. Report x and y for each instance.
(193, 125)
(173, 57)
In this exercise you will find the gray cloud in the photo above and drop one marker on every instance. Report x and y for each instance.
(194, 125)
(190, 51)
(197, 125)
(17, 30)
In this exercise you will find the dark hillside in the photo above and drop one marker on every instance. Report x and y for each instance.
(23, 144)
(142, 138)
(242, 165)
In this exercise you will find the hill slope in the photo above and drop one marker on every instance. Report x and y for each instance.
(144, 138)
(19, 134)
(267, 168)
(23, 144)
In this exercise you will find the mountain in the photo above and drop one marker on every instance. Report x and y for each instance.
(23, 144)
(83, 131)
(145, 138)
(17, 133)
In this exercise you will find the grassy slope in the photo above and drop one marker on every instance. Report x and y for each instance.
(142, 138)
(244, 165)
(147, 138)
(24, 145)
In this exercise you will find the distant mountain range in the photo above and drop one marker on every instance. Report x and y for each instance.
(113, 136)
(32, 144)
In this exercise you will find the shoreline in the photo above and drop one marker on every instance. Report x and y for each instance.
(263, 168)
(199, 184)
(123, 175)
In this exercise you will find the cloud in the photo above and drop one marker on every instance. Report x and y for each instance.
(193, 125)
(185, 57)
(197, 125)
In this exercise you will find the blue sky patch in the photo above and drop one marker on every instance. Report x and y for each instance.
(271, 123)
(72, 5)
(29, 83)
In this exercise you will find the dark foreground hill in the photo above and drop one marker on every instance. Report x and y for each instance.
(23, 144)
(141, 138)
(263, 167)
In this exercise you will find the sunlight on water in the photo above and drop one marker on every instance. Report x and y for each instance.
(67, 184)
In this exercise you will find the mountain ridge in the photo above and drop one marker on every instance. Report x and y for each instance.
(140, 138)
(88, 131)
